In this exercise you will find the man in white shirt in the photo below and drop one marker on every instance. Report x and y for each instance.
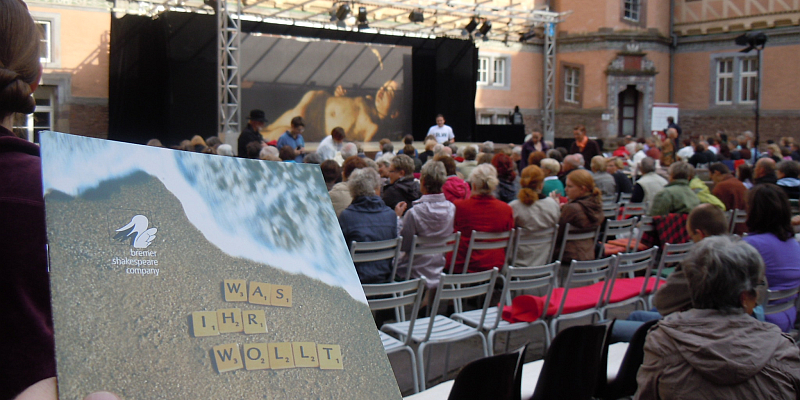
(332, 144)
(444, 133)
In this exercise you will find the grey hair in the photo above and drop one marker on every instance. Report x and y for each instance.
(573, 160)
(268, 151)
(349, 150)
(433, 175)
(388, 148)
(437, 148)
(383, 161)
(405, 163)
(483, 179)
(681, 170)
(647, 165)
(719, 269)
(551, 165)
(371, 163)
(363, 182)
(487, 147)
(312, 158)
(225, 150)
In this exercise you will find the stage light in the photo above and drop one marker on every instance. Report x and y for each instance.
(524, 37)
(362, 18)
(342, 12)
(416, 16)
(211, 3)
(753, 41)
(485, 28)
(473, 23)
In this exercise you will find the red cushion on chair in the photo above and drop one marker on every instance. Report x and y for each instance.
(578, 299)
(626, 288)
(620, 245)
(524, 308)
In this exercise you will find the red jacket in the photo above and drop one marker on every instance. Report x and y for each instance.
(455, 188)
(482, 213)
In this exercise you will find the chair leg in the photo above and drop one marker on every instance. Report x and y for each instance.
(414, 373)
(421, 366)
(446, 361)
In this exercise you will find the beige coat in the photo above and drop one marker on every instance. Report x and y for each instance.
(540, 215)
(340, 197)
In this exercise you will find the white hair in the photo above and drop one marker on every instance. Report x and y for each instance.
(349, 150)
(483, 179)
(363, 182)
(225, 150)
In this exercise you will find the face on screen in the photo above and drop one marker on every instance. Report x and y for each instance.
(385, 97)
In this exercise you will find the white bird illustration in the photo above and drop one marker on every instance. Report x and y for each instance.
(143, 237)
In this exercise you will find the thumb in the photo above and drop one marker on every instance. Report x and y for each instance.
(101, 396)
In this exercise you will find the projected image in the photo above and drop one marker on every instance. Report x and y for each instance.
(363, 88)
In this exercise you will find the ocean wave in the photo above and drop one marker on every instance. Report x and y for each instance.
(273, 213)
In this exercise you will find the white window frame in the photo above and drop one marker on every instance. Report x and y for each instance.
(30, 126)
(52, 21)
(572, 84)
(748, 78)
(493, 71)
(632, 10)
(46, 40)
(724, 79)
(738, 75)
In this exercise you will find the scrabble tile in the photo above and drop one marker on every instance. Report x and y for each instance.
(330, 356)
(230, 320)
(305, 354)
(227, 357)
(204, 323)
(281, 295)
(256, 356)
(280, 355)
(254, 321)
(235, 289)
(260, 293)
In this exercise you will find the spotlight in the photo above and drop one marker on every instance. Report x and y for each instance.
(362, 18)
(211, 3)
(753, 41)
(485, 28)
(524, 37)
(416, 16)
(473, 23)
(342, 12)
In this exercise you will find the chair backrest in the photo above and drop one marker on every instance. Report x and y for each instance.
(518, 279)
(629, 264)
(625, 385)
(421, 245)
(775, 295)
(572, 236)
(672, 254)
(737, 217)
(582, 273)
(376, 251)
(633, 209)
(463, 286)
(525, 237)
(610, 210)
(609, 198)
(495, 377)
(397, 296)
(616, 229)
(645, 224)
(625, 197)
(488, 241)
(572, 364)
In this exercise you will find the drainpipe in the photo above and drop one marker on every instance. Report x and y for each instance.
(673, 45)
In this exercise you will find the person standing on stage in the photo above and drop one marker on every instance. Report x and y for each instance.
(252, 133)
(444, 133)
(294, 138)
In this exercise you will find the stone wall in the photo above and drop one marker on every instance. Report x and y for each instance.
(89, 120)
(772, 124)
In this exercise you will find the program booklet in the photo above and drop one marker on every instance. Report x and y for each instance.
(178, 275)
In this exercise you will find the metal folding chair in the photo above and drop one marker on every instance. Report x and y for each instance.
(570, 236)
(593, 272)
(626, 267)
(486, 241)
(672, 254)
(617, 229)
(737, 217)
(376, 251)
(524, 237)
(421, 245)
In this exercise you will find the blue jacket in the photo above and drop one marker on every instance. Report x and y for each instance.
(368, 219)
(287, 140)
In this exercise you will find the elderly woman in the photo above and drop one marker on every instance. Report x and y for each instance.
(771, 233)
(716, 350)
(507, 186)
(454, 188)
(584, 213)
(340, 192)
(534, 211)
(432, 216)
(481, 212)
(551, 168)
(367, 219)
(602, 179)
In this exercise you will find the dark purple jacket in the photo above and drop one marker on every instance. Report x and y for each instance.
(527, 149)
(27, 352)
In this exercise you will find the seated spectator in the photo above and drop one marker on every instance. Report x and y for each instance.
(787, 174)
(727, 188)
(340, 192)
(485, 158)
(534, 211)
(381, 143)
(253, 150)
(481, 212)
(383, 165)
(621, 181)
(649, 184)
(535, 144)
(367, 219)
(508, 186)
(429, 145)
(774, 152)
(744, 173)
(312, 157)
(795, 147)
(431, 217)
(198, 144)
(676, 197)
(668, 147)
(551, 168)
(225, 150)
(716, 350)
(487, 147)
(686, 152)
(408, 146)
(536, 158)
(572, 162)
(770, 232)
(703, 193)
(702, 156)
(555, 154)
(402, 186)
(331, 173)
(764, 172)
(286, 153)
(154, 143)
(584, 213)
(331, 144)
(466, 167)
(454, 187)
(602, 179)
(621, 151)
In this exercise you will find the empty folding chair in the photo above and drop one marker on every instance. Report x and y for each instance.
(633, 210)
(376, 251)
(439, 329)
(624, 287)
(737, 217)
(384, 296)
(516, 280)
(577, 301)
(618, 230)
(486, 241)
(529, 244)
(570, 235)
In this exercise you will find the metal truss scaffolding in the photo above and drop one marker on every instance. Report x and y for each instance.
(229, 80)
(549, 100)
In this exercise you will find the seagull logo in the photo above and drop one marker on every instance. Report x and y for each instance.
(137, 232)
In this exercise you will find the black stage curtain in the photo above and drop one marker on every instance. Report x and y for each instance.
(163, 76)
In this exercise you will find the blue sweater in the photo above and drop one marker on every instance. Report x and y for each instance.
(368, 219)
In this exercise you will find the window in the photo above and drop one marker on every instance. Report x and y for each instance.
(492, 71)
(631, 10)
(748, 87)
(485, 119)
(502, 119)
(42, 119)
(46, 49)
(735, 79)
(572, 81)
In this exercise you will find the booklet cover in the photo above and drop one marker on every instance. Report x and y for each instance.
(178, 275)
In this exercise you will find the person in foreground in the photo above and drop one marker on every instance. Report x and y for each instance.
(715, 349)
